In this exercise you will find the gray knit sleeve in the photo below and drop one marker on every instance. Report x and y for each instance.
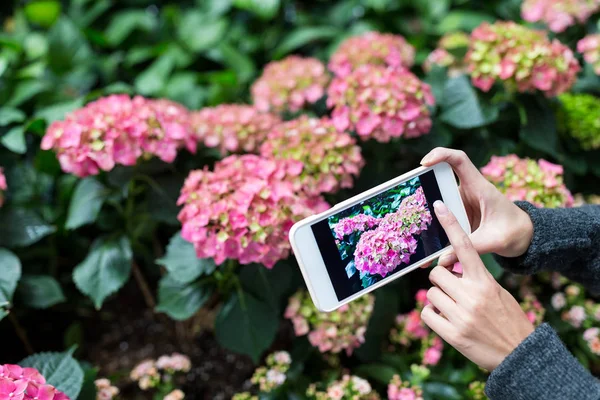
(565, 240)
(541, 368)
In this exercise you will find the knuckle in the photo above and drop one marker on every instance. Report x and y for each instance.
(466, 243)
(434, 275)
(431, 293)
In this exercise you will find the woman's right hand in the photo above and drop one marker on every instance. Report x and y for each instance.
(498, 225)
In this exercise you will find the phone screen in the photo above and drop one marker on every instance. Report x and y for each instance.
(378, 237)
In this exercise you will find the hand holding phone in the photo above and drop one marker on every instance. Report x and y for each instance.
(375, 237)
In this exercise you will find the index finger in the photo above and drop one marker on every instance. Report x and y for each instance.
(461, 244)
(458, 160)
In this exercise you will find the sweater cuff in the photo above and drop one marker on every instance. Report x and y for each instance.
(541, 367)
(551, 240)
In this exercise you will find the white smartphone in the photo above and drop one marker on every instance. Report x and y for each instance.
(375, 237)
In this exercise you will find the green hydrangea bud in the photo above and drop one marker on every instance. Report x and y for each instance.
(580, 117)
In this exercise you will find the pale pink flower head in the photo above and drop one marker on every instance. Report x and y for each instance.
(175, 395)
(539, 182)
(443, 56)
(290, 84)
(524, 60)
(558, 301)
(243, 209)
(273, 374)
(589, 46)
(381, 103)
(331, 159)
(559, 14)
(372, 48)
(432, 356)
(349, 387)
(575, 316)
(105, 389)
(145, 372)
(591, 333)
(533, 309)
(399, 390)
(174, 363)
(233, 128)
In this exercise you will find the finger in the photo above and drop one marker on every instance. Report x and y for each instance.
(440, 300)
(448, 259)
(481, 243)
(461, 244)
(448, 282)
(426, 265)
(458, 160)
(437, 323)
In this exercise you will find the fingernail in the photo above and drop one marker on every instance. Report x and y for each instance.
(427, 158)
(443, 260)
(440, 207)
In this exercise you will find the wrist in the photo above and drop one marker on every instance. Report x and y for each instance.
(522, 235)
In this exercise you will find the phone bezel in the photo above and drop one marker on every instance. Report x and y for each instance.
(309, 257)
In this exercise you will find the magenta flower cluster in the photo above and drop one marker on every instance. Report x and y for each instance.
(381, 103)
(372, 48)
(559, 14)
(589, 46)
(358, 223)
(17, 383)
(118, 130)
(3, 186)
(340, 330)
(403, 390)
(290, 84)
(392, 242)
(243, 209)
(331, 159)
(538, 182)
(524, 60)
(232, 128)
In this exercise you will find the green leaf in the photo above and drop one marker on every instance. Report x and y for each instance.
(242, 64)
(182, 262)
(14, 140)
(181, 301)
(42, 12)
(441, 391)
(22, 227)
(58, 111)
(379, 372)
(105, 269)
(61, 370)
(9, 115)
(462, 20)
(67, 46)
(200, 33)
(125, 22)
(492, 265)
(11, 273)
(26, 90)
(539, 132)
(270, 285)
(86, 203)
(153, 79)
(303, 36)
(461, 106)
(40, 291)
(246, 325)
(266, 9)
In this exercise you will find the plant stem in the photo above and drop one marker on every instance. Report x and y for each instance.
(21, 333)
(143, 285)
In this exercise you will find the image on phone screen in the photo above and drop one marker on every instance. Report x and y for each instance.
(375, 239)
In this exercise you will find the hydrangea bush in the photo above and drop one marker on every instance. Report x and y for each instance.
(559, 14)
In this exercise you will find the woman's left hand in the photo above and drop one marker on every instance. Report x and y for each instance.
(473, 313)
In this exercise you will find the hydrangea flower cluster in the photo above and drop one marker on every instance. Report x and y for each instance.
(347, 388)
(559, 14)
(290, 84)
(358, 223)
(147, 373)
(580, 114)
(105, 390)
(403, 390)
(533, 309)
(476, 391)
(381, 103)
(589, 46)
(343, 329)
(592, 338)
(118, 130)
(3, 186)
(371, 48)
(393, 242)
(17, 383)
(523, 59)
(410, 329)
(445, 54)
(243, 209)
(272, 376)
(175, 395)
(538, 182)
(331, 159)
(232, 128)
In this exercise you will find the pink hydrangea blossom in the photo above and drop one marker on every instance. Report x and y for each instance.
(105, 390)
(358, 223)
(575, 316)
(539, 182)
(524, 60)
(290, 84)
(3, 186)
(243, 209)
(118, 130)
(533, 309)
(175, 362)
(381, 103)
(589, 46)
(372, 48)
(403, 390)
(175, 395)
(340, 330)
(331, 159)
(273, 374)
(349, 387)
(558, 301)
(17, 383)
(559, 14)
(233, 128)
(443, 56)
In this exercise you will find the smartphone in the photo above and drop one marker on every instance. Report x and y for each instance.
(375, 237)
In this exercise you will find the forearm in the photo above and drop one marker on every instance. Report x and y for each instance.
(542, 368)
(565, 241)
